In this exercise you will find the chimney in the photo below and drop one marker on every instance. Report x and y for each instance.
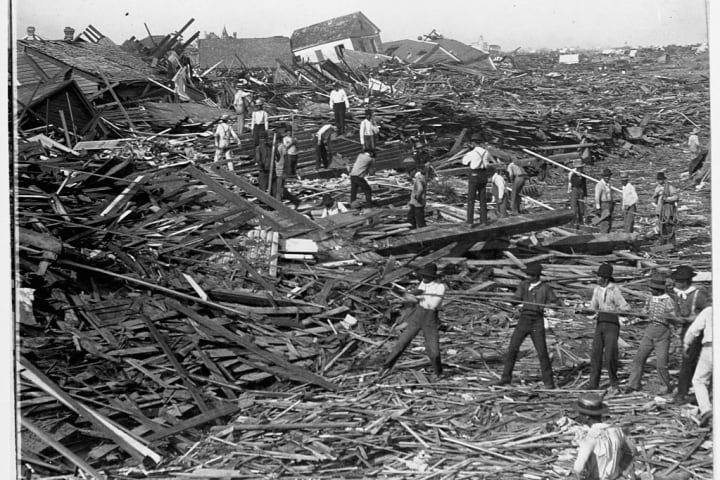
(234, 34)
(69, 34)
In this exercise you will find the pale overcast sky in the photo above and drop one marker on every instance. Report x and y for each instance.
(511, 24)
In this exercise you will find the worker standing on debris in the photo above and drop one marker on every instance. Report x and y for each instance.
(605, 452)
(263, 159)
(428, 297)
(416, 214)
(292, 155)
(323, 147)
(361, 169)
(241, 104)
(665, 200)
(577, 189)
(499, 186)
(606, 300)
(478, 159)
(280, 173)
(533, 296)
(629, 203)
(693, 143)
(259, 122)
(368, 131)
(702, 328)
(690, 301)
(517, 177)
(340, 104)
(223, 139)
(604, 202)
(661, 310)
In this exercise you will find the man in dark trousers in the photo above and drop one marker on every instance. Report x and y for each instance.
(340, 104)
(478, 159)
(416, 214)
(428, 296)
(262, 159)
(604, 201)
(323, 146)
(577, 189)
(517, 177)
(361, 169)
(533, 296)
(606, 300)
(690, 301)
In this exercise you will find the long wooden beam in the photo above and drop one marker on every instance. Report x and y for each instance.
(553, 162)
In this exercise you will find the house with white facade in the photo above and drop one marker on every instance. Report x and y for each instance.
(329, 39)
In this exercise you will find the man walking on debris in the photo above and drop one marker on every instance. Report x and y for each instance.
(416, 214)
(368, 131)
(281, 167)
(517, 177)
(262, 159)
(361, 169)
(661, 311)
(702, 328)
(259, 123)
(478, 159)
(499, 192)
(339, 103)
(604, 202)
(577, 188)
(240, 103)
(323, 147)
(428, 297)
(533, 296)
(694, 143)
(629, 203)
(690, 301)
(605, 452)
(224, 135)
(606, 300)
(665, 200)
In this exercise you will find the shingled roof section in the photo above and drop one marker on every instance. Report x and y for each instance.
(464, 52)
(348, 26)
(117, 64)
(254, 52)
(409, 51)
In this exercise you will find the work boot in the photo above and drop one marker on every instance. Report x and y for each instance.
(502, 381)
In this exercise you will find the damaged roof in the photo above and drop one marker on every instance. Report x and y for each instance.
(348, 26)
(90, 58)
(254, 52)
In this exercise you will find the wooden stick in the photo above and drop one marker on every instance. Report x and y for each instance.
(566, 168)
(272, 166)
(65, 128)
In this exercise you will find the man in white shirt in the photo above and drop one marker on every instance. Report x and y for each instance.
(339, 103)
(224, 135)
(368, 130)
(703, 371)
(428, 296)
(498, 190)
(604, 202)
(629, 203)
(259, 123)
(323, 146)
(477, 160)
(694, 142)
(240, 103)
(361, 169)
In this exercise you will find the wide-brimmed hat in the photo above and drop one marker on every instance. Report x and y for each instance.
(592, 405)
(661, 176)
(578, 163)
(533, 269)
(624, 176)
(259, 101)
(605, 271)
(606, 172)
(419, 145)
(695, 130)
(683, 272)
(657, 281)
(429, 271)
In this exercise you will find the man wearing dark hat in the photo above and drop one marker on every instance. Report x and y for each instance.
(577, 189)
(478, 160)
(665, 200)
(339, 104)
(660, 309)
(224, 134)
(323, 146)
(428, 296)
(690, 301)
(629, 203)
(606, 300)
(533, 296)
(416, 214)
(605, 452)
(604, 202)
(361, 169)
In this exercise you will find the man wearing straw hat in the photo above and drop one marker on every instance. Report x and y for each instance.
(690, 301)
(606, 300)
(534, 295)
(224, 135)
(428, 296)
(577, 189)
(629, 203)
(604, 202)
(604, 452)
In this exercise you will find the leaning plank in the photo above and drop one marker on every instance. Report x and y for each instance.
(288, 370)
(440, 235)
(415, 264)
(179, 369)
(268, 200)
(66, 452)
(193, 422)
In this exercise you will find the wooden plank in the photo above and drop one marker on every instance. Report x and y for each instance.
(417, 263)
(119, 103)
(263, 197)
(193, 422)
(272, 269)
(202, 239)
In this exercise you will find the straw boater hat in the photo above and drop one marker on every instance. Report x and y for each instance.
(429, 271)
(577, 163)
(624, 176)
(534, 269)
(683, 272)
(592, 405)
(657, 281)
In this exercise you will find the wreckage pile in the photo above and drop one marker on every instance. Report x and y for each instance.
(176, 321)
